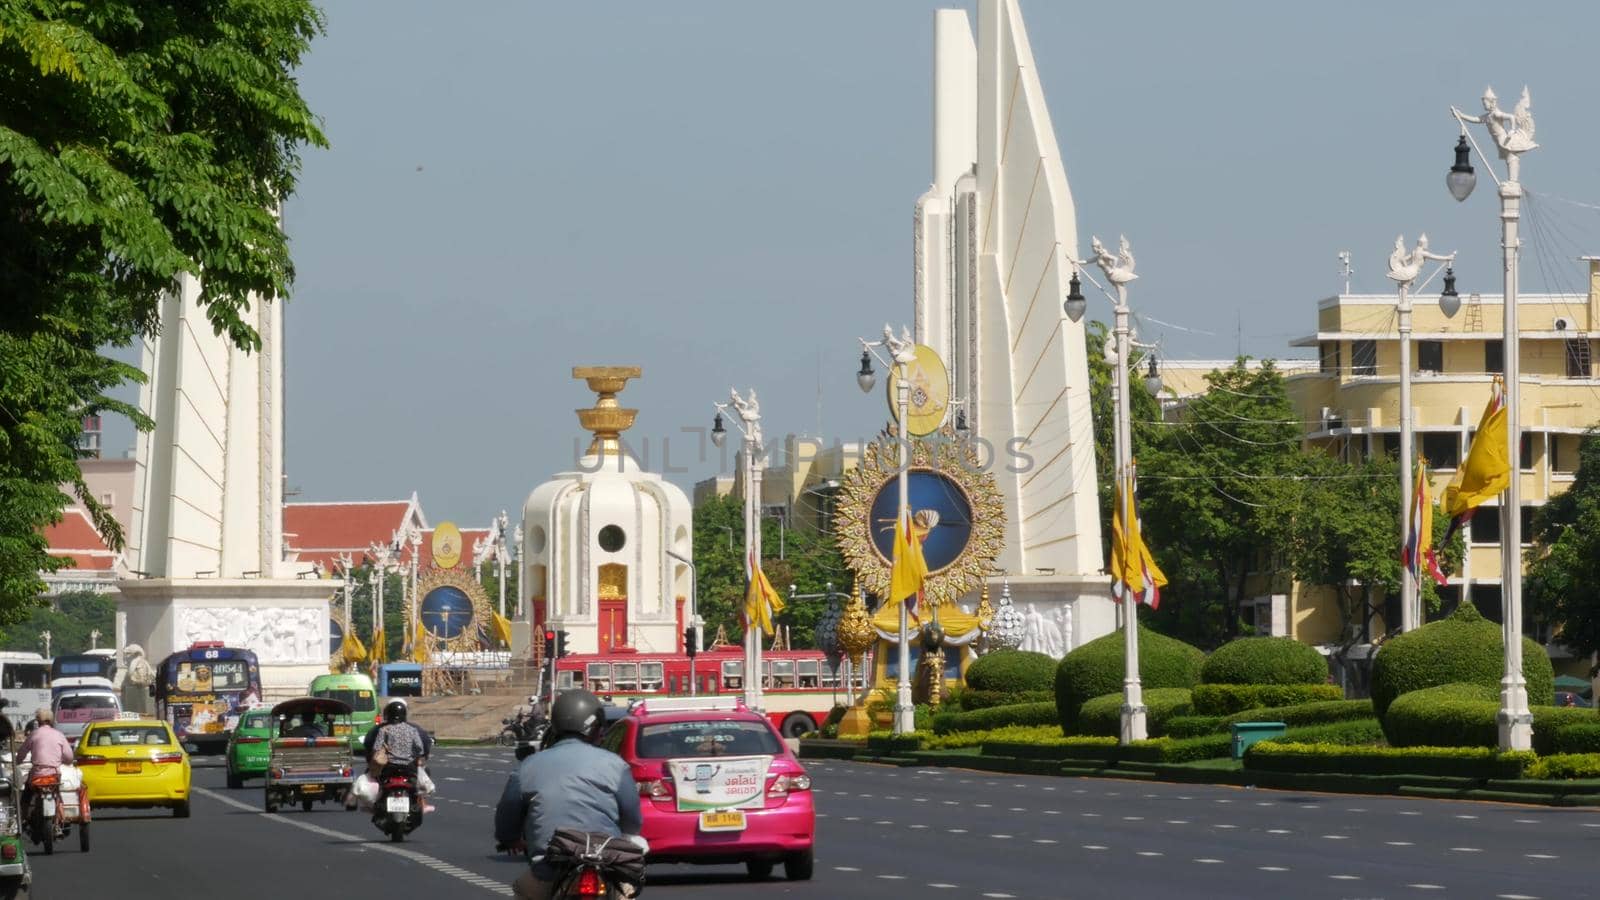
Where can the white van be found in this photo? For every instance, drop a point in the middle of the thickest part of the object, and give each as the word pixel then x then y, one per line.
pixel 77 707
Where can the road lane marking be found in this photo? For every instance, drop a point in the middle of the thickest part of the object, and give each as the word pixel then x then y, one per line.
pixel 1094 846
pixel 940 884
pixel 431 862
pixel 1399 843
pixel 1465 850
pixel 1208 860
pixel 1424 886
pixel 1345 877
pixel 1272 868
pixel 1150 853
pixel 845 869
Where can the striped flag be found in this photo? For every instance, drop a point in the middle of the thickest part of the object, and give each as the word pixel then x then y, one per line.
pixel 1416 552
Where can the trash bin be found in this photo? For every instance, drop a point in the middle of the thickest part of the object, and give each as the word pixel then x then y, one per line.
pixel 1247 733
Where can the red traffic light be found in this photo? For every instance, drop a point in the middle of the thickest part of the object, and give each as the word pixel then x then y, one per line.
pixel 549 636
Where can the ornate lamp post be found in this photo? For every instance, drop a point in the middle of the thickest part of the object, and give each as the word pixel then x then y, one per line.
pixel 1118 272
pixel 747 418
pixel 902 351
pixel 1513 136
pixel 1404 267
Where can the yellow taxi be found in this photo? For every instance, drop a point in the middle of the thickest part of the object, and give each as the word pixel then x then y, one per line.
pixel 134 762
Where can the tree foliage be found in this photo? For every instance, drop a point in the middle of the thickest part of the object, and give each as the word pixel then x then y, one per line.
pixel 69 618
pixel 1563 582
pixel 806 559
pixel 139 139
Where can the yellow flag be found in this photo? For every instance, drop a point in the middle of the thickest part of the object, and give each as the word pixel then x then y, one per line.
pixel 908 570
pixel 761 602
pixel 380 648
pixel 351 648
pixel 502 627
pixel 1487 470
pixel 419 644
pixel 1133 567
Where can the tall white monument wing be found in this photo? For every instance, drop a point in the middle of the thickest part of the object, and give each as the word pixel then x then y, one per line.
pixel 994 236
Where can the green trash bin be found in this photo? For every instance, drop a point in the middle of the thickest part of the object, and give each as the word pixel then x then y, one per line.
pixel 1247 733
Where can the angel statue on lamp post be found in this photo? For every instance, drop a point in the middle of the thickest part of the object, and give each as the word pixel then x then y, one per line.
pixel 1404 266
pixel 1118 269
pixel 1512 131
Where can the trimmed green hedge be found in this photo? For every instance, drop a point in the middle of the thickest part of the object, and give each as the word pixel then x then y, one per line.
pixel 1464 715
pixel 1265 660
pixel 1012 672
pixel 1103 715
pixel 971 698
pixel 995 717
pixel 1305 713
pixel 1566 766
pixel 1227 699
pixel 1194 726
pixel 1355 733
pixel 1581 738
pixel 1096 669
pixel 1465 647
pixel 1466 762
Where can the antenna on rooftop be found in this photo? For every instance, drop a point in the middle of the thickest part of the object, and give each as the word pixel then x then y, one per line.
pixel 1345 269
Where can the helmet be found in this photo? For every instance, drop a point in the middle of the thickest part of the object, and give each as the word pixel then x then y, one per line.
pixel 394 711
pixel 576 712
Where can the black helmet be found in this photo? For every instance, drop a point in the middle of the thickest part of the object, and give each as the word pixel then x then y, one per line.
pixel 394 711
pixel 576 712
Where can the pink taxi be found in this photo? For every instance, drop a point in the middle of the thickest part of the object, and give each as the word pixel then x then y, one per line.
pixel 717 785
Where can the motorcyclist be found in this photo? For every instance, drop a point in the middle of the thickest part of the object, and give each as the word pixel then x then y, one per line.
pixel 405 743
pixel 49 749
pixel 572 784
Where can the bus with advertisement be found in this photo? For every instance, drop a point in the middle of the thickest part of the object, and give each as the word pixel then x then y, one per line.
pixel 201 692
pixel 24 685
pixel 798 686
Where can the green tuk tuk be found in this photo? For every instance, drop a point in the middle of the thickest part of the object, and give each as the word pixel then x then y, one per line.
pixel 311 759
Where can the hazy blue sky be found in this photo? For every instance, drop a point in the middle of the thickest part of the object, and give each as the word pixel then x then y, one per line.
pixel 722 193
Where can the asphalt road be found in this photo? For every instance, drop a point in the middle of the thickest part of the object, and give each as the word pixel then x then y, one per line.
pixel 881 831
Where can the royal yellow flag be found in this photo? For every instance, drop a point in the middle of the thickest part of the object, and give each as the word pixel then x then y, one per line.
pixel 1133 567
pixel 1487 470
pixel 351 648
pixel 380 648
pixel 502 627
pixel 762 603
pixel 419 643
pixel 908 569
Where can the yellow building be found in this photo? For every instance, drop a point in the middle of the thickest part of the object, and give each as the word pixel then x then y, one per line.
pixel 798 486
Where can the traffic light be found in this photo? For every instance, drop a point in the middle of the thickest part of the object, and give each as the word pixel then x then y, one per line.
pixel 549 642
pixel 691 643
pixel 561 644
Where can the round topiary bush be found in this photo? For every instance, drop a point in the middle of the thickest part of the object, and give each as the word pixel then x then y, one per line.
pixel 1265 660
pixel 1445 715
pixel 1103 715
pixel 1465 648
pixel 1095 669
pixel 1012 672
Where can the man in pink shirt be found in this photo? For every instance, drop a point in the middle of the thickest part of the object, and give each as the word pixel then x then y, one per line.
pixel 49 749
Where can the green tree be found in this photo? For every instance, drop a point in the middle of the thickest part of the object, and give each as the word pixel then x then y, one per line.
pixel 1217 496
pixel 139 139
pixel 69 618
pixel 1563 582
pixel 805 559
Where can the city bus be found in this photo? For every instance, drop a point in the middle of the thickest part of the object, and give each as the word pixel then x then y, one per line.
pixel 400 680
pixel 80 670
pixel 798 686
pixel 24 685
pixel 201 691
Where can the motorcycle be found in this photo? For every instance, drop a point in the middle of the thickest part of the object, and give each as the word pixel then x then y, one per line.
pixel 54 803
pixel 522 729
pixel 398 811
pixel 596 865
pixel 15 876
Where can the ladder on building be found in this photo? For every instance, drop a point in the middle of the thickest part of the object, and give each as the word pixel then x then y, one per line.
pixel 1474 312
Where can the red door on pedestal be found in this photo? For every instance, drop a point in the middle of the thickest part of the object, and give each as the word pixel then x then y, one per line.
pixel 613 625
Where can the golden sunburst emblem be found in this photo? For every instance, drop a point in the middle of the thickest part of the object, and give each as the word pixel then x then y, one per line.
pixel 454 608
pixel 952 497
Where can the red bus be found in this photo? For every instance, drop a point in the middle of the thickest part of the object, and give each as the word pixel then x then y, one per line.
pixel 798 686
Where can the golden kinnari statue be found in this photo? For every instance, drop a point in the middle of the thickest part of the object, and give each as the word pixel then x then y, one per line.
pixel 605 418
pixel 856 636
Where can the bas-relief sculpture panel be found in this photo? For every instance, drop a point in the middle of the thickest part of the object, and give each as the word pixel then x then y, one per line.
pixel 277 635
pixel 1047 631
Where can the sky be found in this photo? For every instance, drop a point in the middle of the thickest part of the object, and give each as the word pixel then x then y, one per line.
pixel 722 193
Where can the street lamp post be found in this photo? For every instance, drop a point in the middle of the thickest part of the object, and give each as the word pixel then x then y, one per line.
pixel 1404 267
pixel 747 418
pixel 94 639
pixel 1513 135
pixel 1118 270
pixel 46 636
pixel 500 556
pixel 902 351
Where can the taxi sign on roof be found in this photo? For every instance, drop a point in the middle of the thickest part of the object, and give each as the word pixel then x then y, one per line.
pixel 689 704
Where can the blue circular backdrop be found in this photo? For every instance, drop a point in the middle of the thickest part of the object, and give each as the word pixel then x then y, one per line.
pixel 446 611
pixel 335 635
pixel 928 490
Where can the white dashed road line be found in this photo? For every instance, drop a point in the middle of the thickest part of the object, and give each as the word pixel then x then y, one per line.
pixel 432 862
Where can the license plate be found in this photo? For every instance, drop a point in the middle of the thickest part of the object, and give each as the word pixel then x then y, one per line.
pixel 341 729
pixel 311 788
pixel 128 768
pixel 399 804
pixel 722 820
